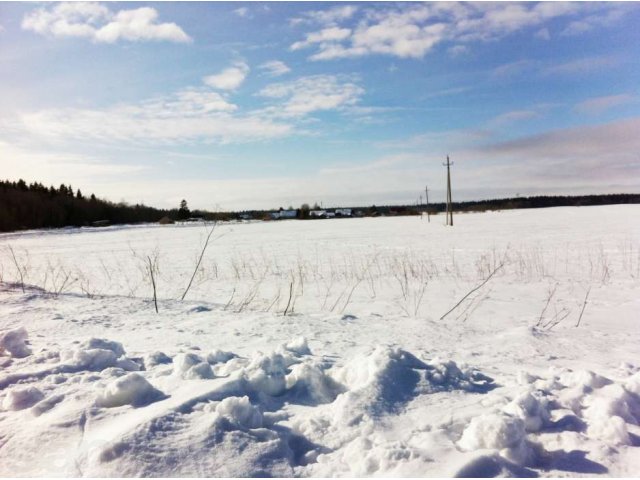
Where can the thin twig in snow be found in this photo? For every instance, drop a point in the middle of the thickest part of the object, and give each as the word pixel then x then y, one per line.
pixel 584 305
pixel 473 290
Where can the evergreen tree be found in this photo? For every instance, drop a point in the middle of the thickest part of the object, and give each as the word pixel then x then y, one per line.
pixel 183 211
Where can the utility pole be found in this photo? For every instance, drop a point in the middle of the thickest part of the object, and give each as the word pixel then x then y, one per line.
pixel 426 193
pixel 449 212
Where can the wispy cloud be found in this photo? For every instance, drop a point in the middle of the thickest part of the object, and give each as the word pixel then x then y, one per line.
pixel 512 69
pixel 616 140
pixel 508 118
pixel 583 65
pixel 241 12
pixel 230 78
pixel 189 115
pixel 274 68
pixel 329 16
pixel 311 94
pixel 96 22
pixel 606 18
pixel 47 167
pixel 597 105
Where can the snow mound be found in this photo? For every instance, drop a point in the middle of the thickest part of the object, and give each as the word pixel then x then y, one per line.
pixel 388 378
pixel 220 356
pixel 104 344
pixel 532 408
pixel 308 383
pixel 95 360
pixel 299 346
pixel 267 374
pixel 239 412
pixel 201 371
pixel 504 433
pixel 156 358
pixel 19 398
pixel 14 343
pixel 607 413
pixel 191 367
pixel 632 384
pixel 131 389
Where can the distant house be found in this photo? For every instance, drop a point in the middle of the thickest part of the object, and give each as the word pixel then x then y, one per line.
pixel 245 216
pixel 330 215
pixel 283 214
pixel 318 213
pixel 343 212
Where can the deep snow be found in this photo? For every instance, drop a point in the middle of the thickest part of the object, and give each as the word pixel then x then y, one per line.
pixel 361 378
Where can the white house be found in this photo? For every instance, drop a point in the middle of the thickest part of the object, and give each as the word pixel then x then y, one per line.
pixel 343 212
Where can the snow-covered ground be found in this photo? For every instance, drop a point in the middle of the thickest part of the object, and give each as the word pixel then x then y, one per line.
pixel 536 372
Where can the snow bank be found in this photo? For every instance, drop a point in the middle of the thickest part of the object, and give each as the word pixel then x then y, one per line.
pixel 607 413
pixel 131 389
pixel 19 398
pixel 14 343
pixel 96 359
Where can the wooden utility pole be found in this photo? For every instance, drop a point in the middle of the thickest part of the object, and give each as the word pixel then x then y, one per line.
pixel 449 212
pixel 426 193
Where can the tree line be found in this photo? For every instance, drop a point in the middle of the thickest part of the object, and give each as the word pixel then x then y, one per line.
pixel 27 206
pixel 30 206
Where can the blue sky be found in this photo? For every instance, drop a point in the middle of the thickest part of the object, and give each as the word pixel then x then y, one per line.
pixel 261 105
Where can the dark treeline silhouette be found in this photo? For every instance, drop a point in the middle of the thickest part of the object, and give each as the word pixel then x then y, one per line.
pixel 542 201
pixel 29 206
pixel 26 206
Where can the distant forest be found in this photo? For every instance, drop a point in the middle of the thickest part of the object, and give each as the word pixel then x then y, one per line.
pixel 30 206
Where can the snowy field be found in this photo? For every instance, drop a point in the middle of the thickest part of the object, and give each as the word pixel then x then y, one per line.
pixel 325 348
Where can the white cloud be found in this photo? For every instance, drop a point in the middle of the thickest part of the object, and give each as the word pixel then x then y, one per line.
pixel 310 94
pixel 96 22
pixel 191 115
pixel 330 34
pixel 241 12
pixel 230 78
pixel 330 16
pixel 413 30
pixel 275 68
pixel 600 19
pixel 597 105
